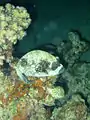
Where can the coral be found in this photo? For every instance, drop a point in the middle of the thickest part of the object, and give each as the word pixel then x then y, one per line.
pixel 6 54
pixel 29 109
pixel 5 114
pixel 13 20
pixel 75 109
pixel 23 101
pixel 4 82
pixel 11 88
pixel 52 94
pixel 2 56
pixel 72 49
pixel 78 78
pixel 23 109
pixel 45 94
pixel 18 101
pixel 16 89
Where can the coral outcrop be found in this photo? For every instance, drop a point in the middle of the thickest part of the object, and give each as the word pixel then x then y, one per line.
pixel 13 22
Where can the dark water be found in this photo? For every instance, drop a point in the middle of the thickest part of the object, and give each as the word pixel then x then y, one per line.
pixel 52 20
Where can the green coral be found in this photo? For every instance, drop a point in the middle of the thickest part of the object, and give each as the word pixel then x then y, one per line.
pixel 13 22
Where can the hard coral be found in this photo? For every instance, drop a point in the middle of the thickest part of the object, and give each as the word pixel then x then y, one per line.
pixel 75 109
pixel 13 20
pixel 18 91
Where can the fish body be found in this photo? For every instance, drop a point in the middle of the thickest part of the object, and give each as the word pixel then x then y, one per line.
pixel 38 63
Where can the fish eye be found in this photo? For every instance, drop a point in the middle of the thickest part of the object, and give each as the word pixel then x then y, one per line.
pixel 23 62
pixel 55 65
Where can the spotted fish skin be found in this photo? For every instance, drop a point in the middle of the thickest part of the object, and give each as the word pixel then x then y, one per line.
pixel 38 63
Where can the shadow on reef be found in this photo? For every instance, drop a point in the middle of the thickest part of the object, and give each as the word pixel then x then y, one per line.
pixel 6 69
pixel 63 83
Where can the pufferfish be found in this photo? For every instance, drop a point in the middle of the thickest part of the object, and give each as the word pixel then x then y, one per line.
pixel 38 64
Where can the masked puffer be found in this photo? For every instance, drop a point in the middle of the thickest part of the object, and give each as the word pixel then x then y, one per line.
pixel 38 63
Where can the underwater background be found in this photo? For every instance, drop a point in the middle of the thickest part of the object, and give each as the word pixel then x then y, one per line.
pixel 61 28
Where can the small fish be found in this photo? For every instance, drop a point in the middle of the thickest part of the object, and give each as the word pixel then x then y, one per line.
pixel 26 80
